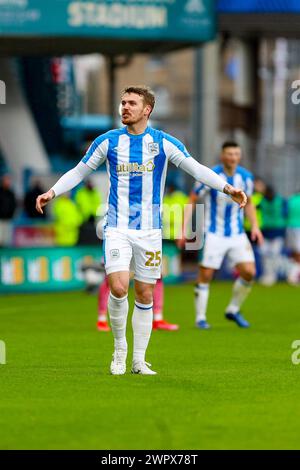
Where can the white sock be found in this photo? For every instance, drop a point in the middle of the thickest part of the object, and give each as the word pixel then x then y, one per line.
pixel 118 311
pixel 201 299
pixel 240 291
pixel 294 272
pixel 157 316
pixel 102 317
pixel 269 270
pixel 142 326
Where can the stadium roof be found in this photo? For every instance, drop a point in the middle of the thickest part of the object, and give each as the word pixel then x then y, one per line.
pixel 257 18
pixel 77 45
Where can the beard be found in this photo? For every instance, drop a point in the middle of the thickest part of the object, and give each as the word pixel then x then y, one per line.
pixel 128 120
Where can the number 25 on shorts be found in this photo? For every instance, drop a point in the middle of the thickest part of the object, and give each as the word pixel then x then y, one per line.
pixel 154 258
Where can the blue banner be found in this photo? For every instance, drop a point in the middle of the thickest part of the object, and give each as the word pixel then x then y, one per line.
pixel 258 6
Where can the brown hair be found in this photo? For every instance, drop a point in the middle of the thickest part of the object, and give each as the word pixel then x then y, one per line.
pixel 144 91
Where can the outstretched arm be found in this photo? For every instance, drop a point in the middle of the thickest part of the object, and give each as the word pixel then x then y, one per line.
pixel 210 178
pixel 94 157
pixel 67 182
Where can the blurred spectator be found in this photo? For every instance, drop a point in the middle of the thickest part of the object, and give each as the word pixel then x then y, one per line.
pixel 256 198
pixel 30 199
pixel 67 220
pixel 273 209
pixel 87 233
pixel 293 237
pixel 8 205
pixel 174 202
pixel 88 200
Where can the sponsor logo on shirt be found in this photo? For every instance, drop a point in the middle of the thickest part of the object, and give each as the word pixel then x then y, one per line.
pixel 135 167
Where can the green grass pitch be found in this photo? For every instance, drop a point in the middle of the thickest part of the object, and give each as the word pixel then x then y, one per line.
pixel 226 388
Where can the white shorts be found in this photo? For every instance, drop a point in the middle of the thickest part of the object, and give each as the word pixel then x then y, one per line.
pixel 216 247
pixel 293 239
pixel 139 251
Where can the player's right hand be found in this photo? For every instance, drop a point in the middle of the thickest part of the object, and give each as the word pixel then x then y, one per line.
pixel 43 199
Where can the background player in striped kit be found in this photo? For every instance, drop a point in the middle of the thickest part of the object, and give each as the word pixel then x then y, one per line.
pixel 136 157
pixel 224 235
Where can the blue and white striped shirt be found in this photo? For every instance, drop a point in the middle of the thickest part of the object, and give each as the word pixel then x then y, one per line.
pixel 222 215
pixel 136 166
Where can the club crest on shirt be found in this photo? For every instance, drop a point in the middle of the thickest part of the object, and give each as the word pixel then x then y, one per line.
pixel 115 253
pixel 153 148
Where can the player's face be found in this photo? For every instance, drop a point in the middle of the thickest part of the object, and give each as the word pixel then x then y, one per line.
pixel 259 186
pixel 231 157
pixel 133 109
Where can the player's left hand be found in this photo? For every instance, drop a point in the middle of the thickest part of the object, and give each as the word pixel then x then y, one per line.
pixel 257 236
pixel 237 195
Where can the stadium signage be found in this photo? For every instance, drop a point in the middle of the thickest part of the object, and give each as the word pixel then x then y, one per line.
pixel 187 20
pixel 57 269
pixel 117 15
